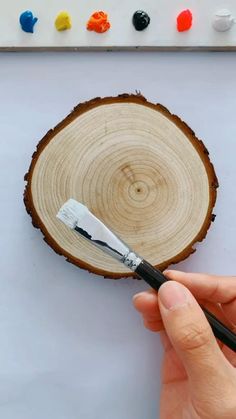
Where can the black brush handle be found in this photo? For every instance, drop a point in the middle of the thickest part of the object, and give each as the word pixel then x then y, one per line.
pixel 155 279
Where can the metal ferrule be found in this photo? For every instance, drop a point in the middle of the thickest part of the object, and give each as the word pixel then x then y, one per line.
pixel 131 260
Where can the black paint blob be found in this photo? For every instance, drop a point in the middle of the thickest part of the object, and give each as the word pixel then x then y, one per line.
pixel 140 20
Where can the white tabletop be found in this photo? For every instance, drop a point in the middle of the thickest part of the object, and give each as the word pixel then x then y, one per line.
pixel 72 346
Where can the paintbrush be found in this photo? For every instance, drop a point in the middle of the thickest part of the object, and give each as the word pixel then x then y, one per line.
pixel 78 217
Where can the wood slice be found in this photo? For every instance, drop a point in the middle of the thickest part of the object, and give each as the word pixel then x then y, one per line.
pixel 138 168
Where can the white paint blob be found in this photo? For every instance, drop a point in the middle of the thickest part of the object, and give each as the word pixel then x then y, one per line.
pixel 223 20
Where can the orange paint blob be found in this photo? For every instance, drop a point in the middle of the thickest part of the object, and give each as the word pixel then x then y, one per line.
pixel 98 22
pixel 184 20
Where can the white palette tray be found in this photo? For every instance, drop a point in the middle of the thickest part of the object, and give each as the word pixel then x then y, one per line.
pixel 160 34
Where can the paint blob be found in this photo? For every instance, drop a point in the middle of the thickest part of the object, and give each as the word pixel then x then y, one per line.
pixel 27 21
pixel 63 21
pixel 184 20
pixel 140 20
pixel 98 22
pixel 223 20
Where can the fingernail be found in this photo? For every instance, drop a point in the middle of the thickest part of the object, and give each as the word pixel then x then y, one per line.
pixel 147 295
pixel 136 296
pixel 167 273
pixel 173 295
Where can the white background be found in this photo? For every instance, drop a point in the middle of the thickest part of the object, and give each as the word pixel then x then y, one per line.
pixel 71 345
pixel 161 31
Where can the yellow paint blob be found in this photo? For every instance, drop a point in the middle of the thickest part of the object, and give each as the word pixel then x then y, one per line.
pixel 63 21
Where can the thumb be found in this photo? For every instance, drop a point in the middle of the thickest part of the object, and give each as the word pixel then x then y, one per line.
pixel 190 334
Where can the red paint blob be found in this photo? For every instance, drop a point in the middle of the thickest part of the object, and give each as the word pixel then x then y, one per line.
pixel 184 20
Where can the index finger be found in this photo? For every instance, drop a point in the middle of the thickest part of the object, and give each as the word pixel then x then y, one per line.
pixel 217 289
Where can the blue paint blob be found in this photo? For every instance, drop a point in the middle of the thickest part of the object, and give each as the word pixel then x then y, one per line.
pixel 27 21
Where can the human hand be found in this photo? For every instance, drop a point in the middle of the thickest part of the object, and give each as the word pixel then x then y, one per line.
pixel 198 374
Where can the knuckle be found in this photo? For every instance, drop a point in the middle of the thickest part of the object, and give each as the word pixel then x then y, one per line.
pixel 192 337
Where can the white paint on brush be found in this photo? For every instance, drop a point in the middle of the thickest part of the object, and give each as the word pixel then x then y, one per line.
pixel 78 217
pixel 72 212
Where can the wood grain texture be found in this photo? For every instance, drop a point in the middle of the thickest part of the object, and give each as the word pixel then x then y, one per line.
pixel 137 167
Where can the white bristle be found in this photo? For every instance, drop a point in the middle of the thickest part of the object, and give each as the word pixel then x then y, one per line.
pixel 71 212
